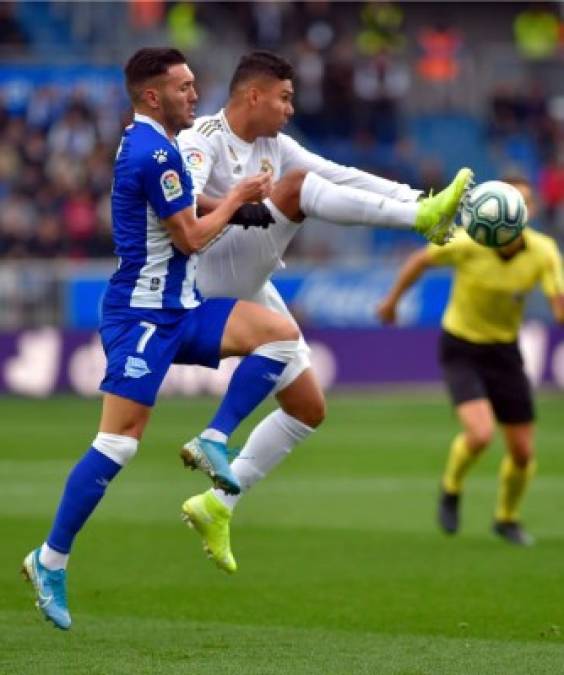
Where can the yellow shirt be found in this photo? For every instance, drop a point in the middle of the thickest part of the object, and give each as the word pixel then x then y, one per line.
pixel 488 293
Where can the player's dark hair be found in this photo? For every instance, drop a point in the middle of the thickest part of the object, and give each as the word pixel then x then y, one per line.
pixel 261 63
pixel 516 179
pixel 147 63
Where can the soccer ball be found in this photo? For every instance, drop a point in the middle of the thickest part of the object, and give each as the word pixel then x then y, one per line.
pixel 494 213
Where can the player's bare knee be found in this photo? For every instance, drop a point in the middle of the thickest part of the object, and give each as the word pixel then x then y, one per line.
pixel 522 454
pixel 279 328
pixel 292 181
pixel 479 438
pixel 287 192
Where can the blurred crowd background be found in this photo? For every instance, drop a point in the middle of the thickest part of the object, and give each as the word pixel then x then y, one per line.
pixel 406 90
pixel 410 91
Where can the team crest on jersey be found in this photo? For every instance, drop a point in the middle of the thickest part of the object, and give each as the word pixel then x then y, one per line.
pixel 266 165
pixel 160 156
pixel 171 185
pixel 195 159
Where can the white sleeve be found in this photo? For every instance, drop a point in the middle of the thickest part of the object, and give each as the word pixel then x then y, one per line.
pixel 199 157
pixel 294 156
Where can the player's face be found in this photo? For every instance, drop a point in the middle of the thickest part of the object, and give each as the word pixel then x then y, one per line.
pixel 274 106
pixel 178 98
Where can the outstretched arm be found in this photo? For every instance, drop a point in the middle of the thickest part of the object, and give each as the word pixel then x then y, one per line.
pixel 409 273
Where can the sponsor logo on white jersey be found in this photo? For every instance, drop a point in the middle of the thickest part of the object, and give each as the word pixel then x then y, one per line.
pixel 195 159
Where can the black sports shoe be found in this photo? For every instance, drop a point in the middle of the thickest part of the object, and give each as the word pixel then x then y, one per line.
pixel 448 511
pixel 513 532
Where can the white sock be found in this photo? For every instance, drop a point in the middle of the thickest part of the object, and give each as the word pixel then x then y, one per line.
pixel 214 435
pixel 270 441
pixel 53 560
pixel 345 205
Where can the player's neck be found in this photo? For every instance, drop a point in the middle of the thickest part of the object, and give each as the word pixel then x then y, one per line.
pixel 239 123
pixel 510 251
pixel 171 133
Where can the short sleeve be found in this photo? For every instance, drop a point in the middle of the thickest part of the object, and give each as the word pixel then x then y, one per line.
pixel 198 155
pixel 167 184
pixel 451 253
pixel 552 277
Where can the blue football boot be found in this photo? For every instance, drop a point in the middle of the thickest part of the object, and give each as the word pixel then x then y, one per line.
pixel 212 458
pixel 50 590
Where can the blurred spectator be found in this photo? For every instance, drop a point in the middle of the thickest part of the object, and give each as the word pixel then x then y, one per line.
pixel 439 62
pixel 318 24
pixel 146 14
pixel 185 31
pixel 536 31
pixel 552 193
pixel 79 221
pixel 381 29
pixel 356 97
pixel 12 34
pixel 378 85
pixel 48 239
pixel 338 95
pixel 266 25
pixel 74 134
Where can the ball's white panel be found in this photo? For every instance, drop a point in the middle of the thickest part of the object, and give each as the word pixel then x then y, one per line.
pixel 490 210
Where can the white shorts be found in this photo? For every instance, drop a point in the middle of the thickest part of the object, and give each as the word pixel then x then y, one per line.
pixel 240 264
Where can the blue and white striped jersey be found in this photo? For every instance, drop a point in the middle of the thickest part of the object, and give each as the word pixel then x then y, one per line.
pixel 150 183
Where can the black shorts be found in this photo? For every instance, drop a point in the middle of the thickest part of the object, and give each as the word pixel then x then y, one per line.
pixel 493 371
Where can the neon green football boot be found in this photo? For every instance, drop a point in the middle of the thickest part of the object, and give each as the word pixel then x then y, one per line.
pixel 210 518
pixel 436 213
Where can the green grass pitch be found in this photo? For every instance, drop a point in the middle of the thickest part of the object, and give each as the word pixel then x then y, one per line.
pixel 342 569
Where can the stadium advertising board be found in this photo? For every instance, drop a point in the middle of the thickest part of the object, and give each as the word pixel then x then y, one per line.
pixel 44 361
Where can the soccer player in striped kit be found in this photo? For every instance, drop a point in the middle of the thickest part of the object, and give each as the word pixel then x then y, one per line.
pixel 154 314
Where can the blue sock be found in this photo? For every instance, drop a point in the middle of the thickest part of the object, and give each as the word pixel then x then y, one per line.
pixel 251 383
pixel 85 487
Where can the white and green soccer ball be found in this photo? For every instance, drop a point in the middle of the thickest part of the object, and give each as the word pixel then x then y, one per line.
pixel 494 213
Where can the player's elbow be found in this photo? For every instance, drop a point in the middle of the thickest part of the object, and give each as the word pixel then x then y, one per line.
pixel 185 245
pixel 194 243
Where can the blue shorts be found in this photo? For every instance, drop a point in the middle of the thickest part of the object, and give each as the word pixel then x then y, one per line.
pixel 141 344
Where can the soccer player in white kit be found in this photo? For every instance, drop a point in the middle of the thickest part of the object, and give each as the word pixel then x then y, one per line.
pixel 239 141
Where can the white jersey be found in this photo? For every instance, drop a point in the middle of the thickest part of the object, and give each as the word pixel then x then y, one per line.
pixel 218 159
pixel 240 263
